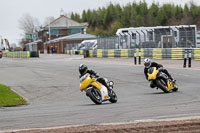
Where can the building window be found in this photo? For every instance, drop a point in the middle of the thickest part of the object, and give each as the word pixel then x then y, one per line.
pixel 29 36
pixel 55 32
pixel 74 31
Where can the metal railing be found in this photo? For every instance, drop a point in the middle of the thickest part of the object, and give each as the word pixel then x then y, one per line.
pixel 184 38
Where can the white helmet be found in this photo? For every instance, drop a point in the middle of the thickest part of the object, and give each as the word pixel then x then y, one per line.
pixel 147 62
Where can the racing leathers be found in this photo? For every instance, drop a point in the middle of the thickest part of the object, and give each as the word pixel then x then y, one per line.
pixel 161 69
pixel 101 80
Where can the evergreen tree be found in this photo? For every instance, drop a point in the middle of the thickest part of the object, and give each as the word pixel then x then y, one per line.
pixel 106 20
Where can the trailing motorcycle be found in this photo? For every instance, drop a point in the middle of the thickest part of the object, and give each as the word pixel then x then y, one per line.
pixel 161 80
pixel 97 92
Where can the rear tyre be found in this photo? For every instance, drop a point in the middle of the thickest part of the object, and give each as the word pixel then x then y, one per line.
pixel 162 85
pixel 95 95
pixel 113 97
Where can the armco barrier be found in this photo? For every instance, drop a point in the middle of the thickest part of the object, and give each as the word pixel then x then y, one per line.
pixel 197 54
pixel 99 53
pixel 155 53
pixel 91 53
pixel 18 54
pixel 111 53
pixel 177 53
pixel 124 53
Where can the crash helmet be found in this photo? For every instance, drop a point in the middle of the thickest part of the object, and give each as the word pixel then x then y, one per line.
pixel 147 62
pixel 82 69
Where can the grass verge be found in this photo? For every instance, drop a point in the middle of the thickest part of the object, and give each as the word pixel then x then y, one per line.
pixel 10 98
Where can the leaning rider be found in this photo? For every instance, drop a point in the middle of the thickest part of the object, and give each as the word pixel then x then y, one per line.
pixel 148 64
pixel 83 69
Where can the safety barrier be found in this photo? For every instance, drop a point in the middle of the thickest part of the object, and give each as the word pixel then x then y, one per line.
pixel 197 54
pixel 177 53
pixel 155 53
pixel 21 54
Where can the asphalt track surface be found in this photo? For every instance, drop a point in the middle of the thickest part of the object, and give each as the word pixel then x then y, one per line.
pixel 50 84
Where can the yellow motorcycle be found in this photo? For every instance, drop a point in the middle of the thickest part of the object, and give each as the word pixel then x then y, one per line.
pixel 97 92
pixel 161 80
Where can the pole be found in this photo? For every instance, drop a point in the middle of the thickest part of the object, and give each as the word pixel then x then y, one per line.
pixel 1 43
pixel 189 60
pixel 139 56
pixel 49 31
pixel 185 59
pixel 135 59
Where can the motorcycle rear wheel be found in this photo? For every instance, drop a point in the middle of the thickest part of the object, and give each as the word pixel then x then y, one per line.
pixel 95 95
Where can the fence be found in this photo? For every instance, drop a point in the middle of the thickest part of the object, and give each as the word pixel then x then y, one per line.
pixel 154 37
pixel 155 53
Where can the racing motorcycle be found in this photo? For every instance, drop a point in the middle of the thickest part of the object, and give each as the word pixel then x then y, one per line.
pixel 96 91
pixel 161 80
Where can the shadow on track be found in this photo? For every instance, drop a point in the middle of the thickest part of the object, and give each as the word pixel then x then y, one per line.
pixel 92 104
pixel 156 93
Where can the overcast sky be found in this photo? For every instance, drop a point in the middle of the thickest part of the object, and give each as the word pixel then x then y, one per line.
pixel 12 10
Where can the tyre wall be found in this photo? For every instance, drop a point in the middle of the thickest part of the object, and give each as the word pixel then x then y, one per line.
pixel 155 53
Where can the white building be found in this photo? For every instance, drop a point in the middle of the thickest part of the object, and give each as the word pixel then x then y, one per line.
pixel 159 36
pixel 198 39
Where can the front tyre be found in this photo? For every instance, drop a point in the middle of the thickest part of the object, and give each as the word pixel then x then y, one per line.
pixel 113 97
pixel 162 85
pixel 95 95
pixel 175 89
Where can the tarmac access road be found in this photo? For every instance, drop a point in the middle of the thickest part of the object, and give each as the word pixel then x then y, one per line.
pixel 50 84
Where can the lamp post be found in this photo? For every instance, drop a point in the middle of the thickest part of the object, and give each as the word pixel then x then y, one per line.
pixel 49 31
pixel 1 46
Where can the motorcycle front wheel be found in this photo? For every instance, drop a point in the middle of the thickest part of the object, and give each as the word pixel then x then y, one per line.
pixel 113 97
pixel 95 95
pixel 175 89
pixel 162 85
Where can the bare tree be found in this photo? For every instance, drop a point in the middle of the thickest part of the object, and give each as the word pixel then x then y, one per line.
pixel 28 24
pixel 47 20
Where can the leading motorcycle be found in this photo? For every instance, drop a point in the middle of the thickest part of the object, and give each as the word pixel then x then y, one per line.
pixel 96 91
pixel 161 80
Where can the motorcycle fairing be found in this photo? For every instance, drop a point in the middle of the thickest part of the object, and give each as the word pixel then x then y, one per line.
pixel 171 85
pixel 85 83
pixel 152 76
pixel 102 88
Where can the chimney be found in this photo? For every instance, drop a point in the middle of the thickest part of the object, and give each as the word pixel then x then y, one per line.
pixel 61 12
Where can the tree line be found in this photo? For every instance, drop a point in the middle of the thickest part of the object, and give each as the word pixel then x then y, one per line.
pixel 106 20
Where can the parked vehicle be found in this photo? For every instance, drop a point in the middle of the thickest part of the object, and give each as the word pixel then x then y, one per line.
pixel 88 45
pixel 1 54
pixel 97 92
pixel 161 80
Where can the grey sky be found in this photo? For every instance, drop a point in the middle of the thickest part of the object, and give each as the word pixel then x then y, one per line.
pixel 12 10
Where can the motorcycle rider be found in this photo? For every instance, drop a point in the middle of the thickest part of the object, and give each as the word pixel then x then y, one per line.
pixel 148 64
pixel 83 69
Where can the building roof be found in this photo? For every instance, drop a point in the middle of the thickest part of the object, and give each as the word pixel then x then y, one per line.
pixel 35 42
pixel 126 31
pixel 63 22
pixel 78 36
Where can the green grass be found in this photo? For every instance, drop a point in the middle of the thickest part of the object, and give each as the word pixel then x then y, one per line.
pixel 10 98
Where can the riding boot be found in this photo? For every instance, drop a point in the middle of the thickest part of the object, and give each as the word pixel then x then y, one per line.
pixel 170 77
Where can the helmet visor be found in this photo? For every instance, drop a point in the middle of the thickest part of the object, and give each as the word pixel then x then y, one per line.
pixel 147 64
